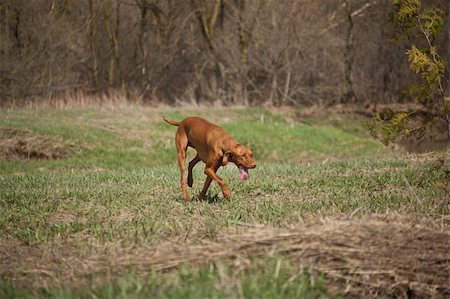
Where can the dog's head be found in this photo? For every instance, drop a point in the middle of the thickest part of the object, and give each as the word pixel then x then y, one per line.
pixel 242 156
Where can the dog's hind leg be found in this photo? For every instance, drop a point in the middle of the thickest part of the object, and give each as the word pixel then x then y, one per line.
pixel 191 165
pixel 181 142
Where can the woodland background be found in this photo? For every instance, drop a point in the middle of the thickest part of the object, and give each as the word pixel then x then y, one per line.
pixel 220 52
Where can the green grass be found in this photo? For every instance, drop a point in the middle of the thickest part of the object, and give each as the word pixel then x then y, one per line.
pixel 265 278
pixel 121 204
pixel 109 139
pixel 121 183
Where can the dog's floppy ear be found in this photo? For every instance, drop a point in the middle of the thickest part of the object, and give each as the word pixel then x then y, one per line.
pixel 225 158
pixel 227 155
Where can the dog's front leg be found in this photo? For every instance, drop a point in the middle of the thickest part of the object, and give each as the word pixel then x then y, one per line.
pixel 205 188
pixel 212 175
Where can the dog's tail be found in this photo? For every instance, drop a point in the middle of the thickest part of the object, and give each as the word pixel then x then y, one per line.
pixel 173 123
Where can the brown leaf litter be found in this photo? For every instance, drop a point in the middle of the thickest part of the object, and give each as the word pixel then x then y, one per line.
pixel 376 255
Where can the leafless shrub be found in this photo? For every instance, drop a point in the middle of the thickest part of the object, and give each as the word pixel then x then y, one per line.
pixel 246 52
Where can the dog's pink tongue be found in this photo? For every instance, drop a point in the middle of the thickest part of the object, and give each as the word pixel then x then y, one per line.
pixel 244 173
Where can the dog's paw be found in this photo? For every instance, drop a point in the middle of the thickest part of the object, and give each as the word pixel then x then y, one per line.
pixel 186 196
pixel 226 193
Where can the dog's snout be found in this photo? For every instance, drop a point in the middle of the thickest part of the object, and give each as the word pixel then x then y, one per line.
pixel 253 165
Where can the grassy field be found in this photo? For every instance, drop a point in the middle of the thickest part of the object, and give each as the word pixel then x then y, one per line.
pixel 107 219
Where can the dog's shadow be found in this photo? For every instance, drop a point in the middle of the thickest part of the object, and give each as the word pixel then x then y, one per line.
pixel 213 198
pixel 209 199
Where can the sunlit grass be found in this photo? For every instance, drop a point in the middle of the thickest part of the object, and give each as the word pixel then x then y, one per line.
pixel 135 138
pixel 121 183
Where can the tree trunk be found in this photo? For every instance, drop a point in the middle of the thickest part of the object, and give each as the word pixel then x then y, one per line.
pixel 93 42
pixel 114 63
pixel 243 53
pixel 349 92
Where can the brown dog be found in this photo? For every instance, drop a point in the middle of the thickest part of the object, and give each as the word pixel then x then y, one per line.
pixel 214 147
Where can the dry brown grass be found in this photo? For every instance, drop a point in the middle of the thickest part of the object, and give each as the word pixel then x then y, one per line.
pixel 377 255
pixel 16 144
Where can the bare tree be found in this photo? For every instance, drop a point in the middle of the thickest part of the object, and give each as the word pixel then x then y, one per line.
pixel 246 52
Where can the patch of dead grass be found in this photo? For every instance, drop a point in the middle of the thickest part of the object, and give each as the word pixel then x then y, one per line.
pixel 16 144
pixel 375 255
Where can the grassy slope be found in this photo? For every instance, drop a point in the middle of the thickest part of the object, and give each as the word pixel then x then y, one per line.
pixel 121 183
pixel 130 138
